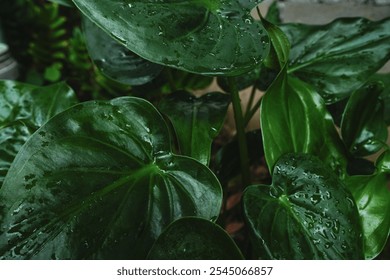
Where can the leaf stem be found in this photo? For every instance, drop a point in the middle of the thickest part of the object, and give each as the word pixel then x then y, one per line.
pixel 240 127
pixel 250 114
pixel 250 102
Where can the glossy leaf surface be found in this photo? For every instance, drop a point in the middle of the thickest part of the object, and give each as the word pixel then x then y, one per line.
pixel 116 61
pixel 294 119
pixel 363 127
pixel 306 213
pixel 205 37
pixel 196 121
pixel 194 239
pixel 373 200
pixel 99 181
pixel 23 109
pixel 339 57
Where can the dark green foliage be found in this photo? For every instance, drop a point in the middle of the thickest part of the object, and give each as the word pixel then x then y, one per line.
pixel 112 178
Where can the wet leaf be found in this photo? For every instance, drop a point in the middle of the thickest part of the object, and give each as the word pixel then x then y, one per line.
pixel 197 121
pixel 306 213
pixel 23 109
pixel 339 57
pixel 363 127
pixel 99 181
pixel 116 61
pixel 194 239
pixel 205 37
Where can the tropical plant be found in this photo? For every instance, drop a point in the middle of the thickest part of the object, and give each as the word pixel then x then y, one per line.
pixel 145 176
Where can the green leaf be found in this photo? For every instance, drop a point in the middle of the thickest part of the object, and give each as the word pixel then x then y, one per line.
pixel 383 162
pixel 23 109
pixel 116 61
pixel 194 239
pixel 182 80
pixel 339 57
pixel 67 3
pixel 385 96
pixel 202 36
pixel 280 49
pixel 373 200
pixel 273 13
pixel 197 121
pixel 99 181
pixel 294 119
pixel 363 128
pixel 243 81
pixel 306 213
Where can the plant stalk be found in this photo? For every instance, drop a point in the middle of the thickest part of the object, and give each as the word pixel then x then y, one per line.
pixel 240 127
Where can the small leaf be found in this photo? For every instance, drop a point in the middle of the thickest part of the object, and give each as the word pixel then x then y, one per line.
pixel 294 119
pixel 373 201
pixel 280 46
pixel 197 121
pixel 383 162
pixel 23 109
pixel 273 13
pixel 194 239
pixel 116 61
pixel 99 181
pixel 67 3
pixel 372 196
pixel 385 96
pixel 339 57
pixel 306 213
pixel 205 37
pixel 363 128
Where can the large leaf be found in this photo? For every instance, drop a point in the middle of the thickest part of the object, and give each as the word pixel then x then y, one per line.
pixel 194 239
pixel 23 109
pixel 116 61
pixel 294 119
pixel 373 200
pixel 99 181
pixel 339 57
pixel 306 213
pixel 206 37
pixel 363 127
pixel 197 121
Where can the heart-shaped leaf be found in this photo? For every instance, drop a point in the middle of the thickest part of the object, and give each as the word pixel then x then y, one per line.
pixel 205 37
pixel 339 57
pixel 363 127
pixel 98 181
pixel 306 213
pixel 294 119
pixel 194 239
pixel 116 61
pixel 23 109
pixel 197 121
